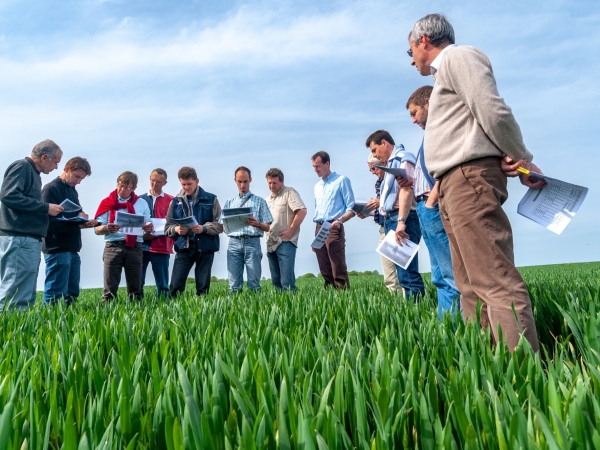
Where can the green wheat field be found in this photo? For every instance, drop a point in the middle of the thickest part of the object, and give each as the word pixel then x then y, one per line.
pixel 312 370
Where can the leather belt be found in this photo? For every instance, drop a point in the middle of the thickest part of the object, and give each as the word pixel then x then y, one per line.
pixel 244 236
pixel 421 198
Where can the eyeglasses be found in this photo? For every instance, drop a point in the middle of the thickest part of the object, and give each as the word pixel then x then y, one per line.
pixel 409 51
pixel 372 169
pixel 127 188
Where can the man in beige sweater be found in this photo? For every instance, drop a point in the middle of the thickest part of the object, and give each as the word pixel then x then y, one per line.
pixel 472 142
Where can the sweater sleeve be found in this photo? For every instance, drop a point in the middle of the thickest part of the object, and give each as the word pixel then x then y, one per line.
pixel 170 225
pixel 13 191
pixel 470 74
pixel 214 227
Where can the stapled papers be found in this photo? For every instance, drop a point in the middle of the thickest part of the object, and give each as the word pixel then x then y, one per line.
pixel 400 255
pixel 555 205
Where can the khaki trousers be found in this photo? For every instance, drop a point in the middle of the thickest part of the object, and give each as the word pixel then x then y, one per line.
pixel 481 244
pixel 390 275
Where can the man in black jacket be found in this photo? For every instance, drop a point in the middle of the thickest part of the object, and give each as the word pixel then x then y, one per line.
pixel 23 224
pixel 62 244
pixel 195 244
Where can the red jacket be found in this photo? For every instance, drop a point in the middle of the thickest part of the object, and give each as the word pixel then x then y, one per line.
pixel 162 244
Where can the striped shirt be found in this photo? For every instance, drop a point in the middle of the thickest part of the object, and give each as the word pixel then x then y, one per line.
pixel 260 211
pixel 421 185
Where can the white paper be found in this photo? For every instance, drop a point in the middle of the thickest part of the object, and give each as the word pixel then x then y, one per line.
pixel 395 171
pixel 235 223
pixel 159 226
pixel 321 236
pixel 360 207
pixel 554 206
pixel 69 206
pixel 186 222
pixel 130 223
pixel 401 255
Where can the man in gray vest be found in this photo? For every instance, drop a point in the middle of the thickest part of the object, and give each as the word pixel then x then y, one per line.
pixel 23 224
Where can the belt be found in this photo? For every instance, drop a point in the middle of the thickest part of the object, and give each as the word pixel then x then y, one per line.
pixel 116 242
pixel 321 222
pixel 421 198
pixel 244 236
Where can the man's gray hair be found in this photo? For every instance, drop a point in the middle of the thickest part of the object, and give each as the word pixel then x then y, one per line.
pixel 372 159
pixel 436 27
pixel 46 147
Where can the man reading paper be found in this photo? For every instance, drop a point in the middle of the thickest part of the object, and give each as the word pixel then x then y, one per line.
pixel 122 251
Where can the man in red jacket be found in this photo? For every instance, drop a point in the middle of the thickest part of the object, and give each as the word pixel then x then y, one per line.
pixel 157 247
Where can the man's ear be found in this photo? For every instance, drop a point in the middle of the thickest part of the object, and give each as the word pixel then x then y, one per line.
pixel 426 104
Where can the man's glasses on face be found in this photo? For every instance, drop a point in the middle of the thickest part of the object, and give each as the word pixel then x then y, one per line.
pixel 409 51
pixel 127 188
pixel 372 169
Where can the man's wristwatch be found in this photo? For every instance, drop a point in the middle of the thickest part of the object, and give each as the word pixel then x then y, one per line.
pixel 402 219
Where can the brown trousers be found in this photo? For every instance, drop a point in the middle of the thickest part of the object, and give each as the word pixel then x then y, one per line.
pixel 481 244
pixel 117 257
pixel 332 259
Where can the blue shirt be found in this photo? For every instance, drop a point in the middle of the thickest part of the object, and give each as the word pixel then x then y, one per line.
pixel 260 211
pixel 389 188
pixel 141 207
pixel 333 197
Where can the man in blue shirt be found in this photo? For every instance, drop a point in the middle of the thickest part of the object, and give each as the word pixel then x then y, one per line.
pixel 244 244
pixel 334 201
pixel 425 189
pixel 398 206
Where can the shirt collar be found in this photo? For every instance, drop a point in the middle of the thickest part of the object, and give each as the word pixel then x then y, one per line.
pixel 245 195
pixel 328 177
pixel 435 64
pixel 122 200
pixel 162 194
pixel 280 191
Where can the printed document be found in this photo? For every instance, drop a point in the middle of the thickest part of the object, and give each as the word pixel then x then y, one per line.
pixel 185 222
pixel 321 236
pixel 130 223
pixel 555 205
pixel 395 171
pixel 235 219
pixel 400 255
pixel 360 207
pixel 69 206
pixel 159 226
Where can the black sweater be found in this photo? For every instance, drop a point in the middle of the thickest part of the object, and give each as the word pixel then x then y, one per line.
pixel 22 211
pixel 62 236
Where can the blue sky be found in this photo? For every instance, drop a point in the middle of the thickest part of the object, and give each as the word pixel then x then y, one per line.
pixel 134 85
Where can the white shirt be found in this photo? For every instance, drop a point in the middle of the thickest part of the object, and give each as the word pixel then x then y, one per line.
pixel 435 64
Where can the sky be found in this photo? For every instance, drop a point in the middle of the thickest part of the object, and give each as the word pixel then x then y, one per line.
pixel 136 85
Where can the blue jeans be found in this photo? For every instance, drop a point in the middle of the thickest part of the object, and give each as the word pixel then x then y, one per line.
pixel 160 269
pixel 442 276
pixel 19 265
pixel 281 263
pixel 63 271
pixel 410 279
pixel 244 252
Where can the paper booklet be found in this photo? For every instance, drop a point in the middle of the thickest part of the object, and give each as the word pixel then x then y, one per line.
pixel 360 207
pixel 321 236
pixel 69 206
pixel 395 171
pixel 553 206
pixel 400 255
pixel 235 219
pixel 185 222
pixel 130 223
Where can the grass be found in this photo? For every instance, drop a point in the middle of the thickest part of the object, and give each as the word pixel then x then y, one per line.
pixel 319 369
